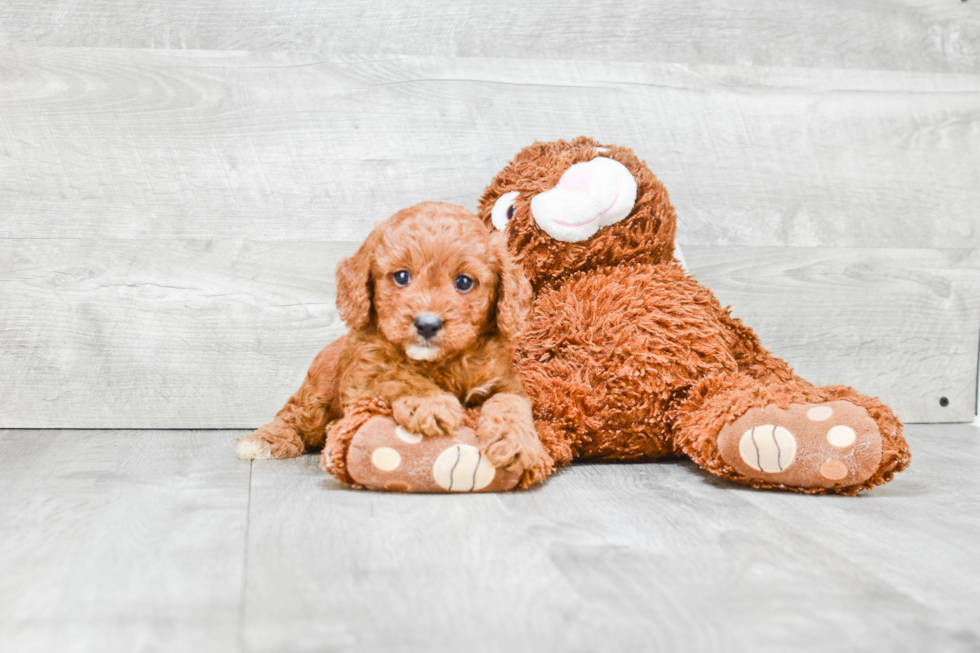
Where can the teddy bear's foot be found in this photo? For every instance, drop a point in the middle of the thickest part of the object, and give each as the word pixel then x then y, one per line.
pixel 385 456
pixel 831 445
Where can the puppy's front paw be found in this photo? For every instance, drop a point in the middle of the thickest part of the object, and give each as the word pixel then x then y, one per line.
pixel 433 415
pixel 507 434
pixel 270 441
pixel 515 448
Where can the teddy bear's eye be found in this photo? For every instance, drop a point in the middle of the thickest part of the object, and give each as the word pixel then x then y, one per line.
pixel 503 210
pixel 463 283
pixel 401 278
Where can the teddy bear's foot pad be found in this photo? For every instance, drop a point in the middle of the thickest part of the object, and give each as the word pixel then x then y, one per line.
pixel 826 445
pixel 384 456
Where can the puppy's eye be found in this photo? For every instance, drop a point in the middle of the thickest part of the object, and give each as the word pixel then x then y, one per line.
pixel 401 278
pixel 463 283
pixel 503 210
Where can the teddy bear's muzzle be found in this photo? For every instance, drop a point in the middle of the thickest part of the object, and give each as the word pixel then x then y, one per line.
pixel 589 196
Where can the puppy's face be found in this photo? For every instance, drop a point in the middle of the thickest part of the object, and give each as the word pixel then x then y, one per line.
pixel 433 286
pixel 434 280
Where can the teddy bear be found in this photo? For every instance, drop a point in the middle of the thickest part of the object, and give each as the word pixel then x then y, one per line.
pixel 628 358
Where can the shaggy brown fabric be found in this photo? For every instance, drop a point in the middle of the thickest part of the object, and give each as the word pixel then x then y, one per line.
pixel 647 236
pixel 627 357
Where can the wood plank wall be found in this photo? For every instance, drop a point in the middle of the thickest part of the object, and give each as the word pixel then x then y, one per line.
pixel 178 180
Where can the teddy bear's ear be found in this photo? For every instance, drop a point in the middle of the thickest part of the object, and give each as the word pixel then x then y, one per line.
pixel 354 286
pixel 513 292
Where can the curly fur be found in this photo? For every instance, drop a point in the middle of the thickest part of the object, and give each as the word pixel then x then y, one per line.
pixel 468 362
pixel 627 357
pixel 646 236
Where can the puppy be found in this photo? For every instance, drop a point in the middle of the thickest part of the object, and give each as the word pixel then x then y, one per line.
pixel 434 305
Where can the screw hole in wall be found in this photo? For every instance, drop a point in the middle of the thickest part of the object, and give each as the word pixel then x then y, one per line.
pixel 943 401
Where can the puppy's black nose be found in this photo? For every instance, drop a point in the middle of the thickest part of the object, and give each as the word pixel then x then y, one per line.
pixel 427 325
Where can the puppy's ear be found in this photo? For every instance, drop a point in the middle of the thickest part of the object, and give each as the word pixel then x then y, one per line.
pixel 354 289
pixel 513 292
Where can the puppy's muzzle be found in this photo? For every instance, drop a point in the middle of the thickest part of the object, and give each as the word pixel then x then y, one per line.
pixel 427 325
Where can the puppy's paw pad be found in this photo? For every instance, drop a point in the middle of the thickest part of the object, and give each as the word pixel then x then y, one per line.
pixel 832 444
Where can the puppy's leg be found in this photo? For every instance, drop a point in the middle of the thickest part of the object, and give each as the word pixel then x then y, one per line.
pixel 433 415
pixel 506 432
pixel 277 439
pixel 301 424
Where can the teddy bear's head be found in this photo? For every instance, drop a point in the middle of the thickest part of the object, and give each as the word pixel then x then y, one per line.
pixel 568 206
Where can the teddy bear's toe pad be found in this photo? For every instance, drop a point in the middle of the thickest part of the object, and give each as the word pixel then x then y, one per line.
pixel 383 456
pixel 826 445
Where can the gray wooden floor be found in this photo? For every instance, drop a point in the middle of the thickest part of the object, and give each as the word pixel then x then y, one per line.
pixel 163 540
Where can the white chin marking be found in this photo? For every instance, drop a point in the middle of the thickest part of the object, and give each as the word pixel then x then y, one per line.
pixel 590 195
pixel 417 353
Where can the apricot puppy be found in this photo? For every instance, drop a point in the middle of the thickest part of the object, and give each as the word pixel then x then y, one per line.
pixel 434 305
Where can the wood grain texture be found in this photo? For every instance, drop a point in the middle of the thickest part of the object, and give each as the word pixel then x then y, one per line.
pixel 121 541
pixel 918 35
pixel 915 532
pixel 620 558
pixel 903 325
pixel 218 334
pixel 167 144
pixel 160 334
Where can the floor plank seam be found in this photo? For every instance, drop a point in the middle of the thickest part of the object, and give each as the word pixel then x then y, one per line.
pixel 976 402
pixel 248 523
